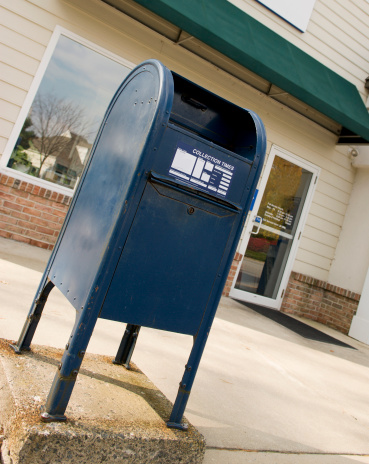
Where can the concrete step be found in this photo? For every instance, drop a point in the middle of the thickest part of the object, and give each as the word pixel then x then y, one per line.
pixel 115 415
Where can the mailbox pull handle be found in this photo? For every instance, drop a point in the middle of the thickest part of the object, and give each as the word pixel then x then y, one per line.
pixel 182 187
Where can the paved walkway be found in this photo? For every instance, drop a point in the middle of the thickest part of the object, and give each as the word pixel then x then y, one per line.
pixel 263 393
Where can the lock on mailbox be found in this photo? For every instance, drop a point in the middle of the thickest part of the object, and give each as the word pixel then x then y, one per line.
pixel 154 223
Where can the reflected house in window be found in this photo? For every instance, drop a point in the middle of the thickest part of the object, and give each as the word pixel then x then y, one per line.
pixel 56 158
pixel 65 168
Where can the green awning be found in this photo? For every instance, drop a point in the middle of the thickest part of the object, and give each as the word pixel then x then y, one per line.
pixel 240 37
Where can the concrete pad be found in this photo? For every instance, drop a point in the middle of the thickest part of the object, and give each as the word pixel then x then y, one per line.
pixel 114 415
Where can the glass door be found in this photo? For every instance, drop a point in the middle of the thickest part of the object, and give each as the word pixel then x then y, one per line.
pixel 270 240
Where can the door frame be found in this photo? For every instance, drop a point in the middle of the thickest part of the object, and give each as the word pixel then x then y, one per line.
pixel 315 170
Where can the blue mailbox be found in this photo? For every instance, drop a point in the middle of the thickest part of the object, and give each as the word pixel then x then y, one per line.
pixel 154 223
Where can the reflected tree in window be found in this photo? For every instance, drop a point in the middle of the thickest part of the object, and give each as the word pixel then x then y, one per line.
pixel 60 131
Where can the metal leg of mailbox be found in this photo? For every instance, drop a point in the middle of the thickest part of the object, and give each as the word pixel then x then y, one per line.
pixel 32 320
pixel 127 345
pixel 186 383
pixel 66 375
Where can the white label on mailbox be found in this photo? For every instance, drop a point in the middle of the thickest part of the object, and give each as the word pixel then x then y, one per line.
pixel 183 161
pixel 201 169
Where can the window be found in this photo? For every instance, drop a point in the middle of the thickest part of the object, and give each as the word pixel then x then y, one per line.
pixel 65 112
pixel 296 12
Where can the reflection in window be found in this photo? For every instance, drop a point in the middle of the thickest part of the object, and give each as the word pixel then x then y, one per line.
pixel 58 133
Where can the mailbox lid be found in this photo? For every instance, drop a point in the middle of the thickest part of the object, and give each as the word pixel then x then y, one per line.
pixel 213 118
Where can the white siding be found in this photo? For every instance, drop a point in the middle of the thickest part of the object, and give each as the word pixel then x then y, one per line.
pixel 29 25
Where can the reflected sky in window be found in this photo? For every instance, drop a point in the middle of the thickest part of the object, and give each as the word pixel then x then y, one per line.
pixel 82 75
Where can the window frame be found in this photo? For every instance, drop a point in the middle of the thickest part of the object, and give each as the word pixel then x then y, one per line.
pixel 57 33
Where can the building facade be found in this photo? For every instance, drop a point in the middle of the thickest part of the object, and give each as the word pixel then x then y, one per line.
pixel 302 69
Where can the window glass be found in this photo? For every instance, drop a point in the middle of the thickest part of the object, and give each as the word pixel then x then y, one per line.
pixel 58 133
pixel 296 12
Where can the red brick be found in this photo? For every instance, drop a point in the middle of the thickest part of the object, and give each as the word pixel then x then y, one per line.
pixel 21 238
pixel 32 211
pixel 39 244
pixel 5 211
pixel 8 220
pixel 13 206
pixel 43 222
pixel 34 235
pixel 18 215
pixel 45 230
pixel 43 201
pixel 7 196
pixel 337 306
pixel 27 225
pixel 22 186
pixel 61 219
pixel 5 234
pixel 5 188
pixel 12 228
pixel 42 208
pixel 60 212
pixel 21 194
pixel 49 217
pixel 25 202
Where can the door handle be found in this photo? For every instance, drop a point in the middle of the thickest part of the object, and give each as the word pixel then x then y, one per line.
pixel 257 222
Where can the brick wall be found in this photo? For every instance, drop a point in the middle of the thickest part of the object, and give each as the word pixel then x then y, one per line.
pixel 29 213
pixel 313 299
pixel 320 301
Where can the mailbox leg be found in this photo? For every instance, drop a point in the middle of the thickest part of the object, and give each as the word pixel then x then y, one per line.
pixel 187 382
pixel 127 345
pixel 66 375
pixel 32 320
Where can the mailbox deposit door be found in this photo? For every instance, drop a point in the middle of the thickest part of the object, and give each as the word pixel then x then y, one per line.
pixel 170 260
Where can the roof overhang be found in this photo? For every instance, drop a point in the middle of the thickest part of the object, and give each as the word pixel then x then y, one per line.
pixel 293 76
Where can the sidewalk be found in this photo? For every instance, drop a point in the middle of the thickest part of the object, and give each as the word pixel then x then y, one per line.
pixel 263 394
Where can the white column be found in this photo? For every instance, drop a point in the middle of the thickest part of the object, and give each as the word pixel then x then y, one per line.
pixel 358 204
pixel 351 261
pixel 360 323
pixel 350 267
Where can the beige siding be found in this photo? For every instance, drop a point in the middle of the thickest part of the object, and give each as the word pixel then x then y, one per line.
pixel 19 79
pixel 326 237
pixel 317 247
pixel 30 25
pixel 307 269
pixel 20 43
pixel 12 94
